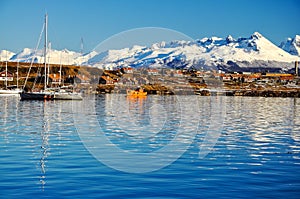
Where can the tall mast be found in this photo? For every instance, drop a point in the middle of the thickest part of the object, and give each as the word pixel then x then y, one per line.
pixel 18 74
pixel 48 62
pixel 6 72
pixel 45 51
pixel 81 46
pixel 60 68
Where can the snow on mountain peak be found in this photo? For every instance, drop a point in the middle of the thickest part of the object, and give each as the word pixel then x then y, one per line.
pixel 253 51
pixel 256 35
pixel 229 39
pixel 297 40
pixel 291 46
pixel 27 51
pixel 6 55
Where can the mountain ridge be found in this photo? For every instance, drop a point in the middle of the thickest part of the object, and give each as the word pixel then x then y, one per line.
pixel 227 53
pixel 291 45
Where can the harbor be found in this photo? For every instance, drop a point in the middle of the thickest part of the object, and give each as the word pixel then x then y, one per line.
pixel 162 82
pixel 149 99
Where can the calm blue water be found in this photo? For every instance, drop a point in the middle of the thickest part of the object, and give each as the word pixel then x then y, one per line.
pixel 257 153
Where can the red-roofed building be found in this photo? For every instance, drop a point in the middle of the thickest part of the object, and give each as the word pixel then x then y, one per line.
pixel 127 70
pixel 3 76
pixel 54 78
pixel 152 71
pixel 178 73
pixel 82 79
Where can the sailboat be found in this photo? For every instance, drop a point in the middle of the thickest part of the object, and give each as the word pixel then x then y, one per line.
pixel 49 93
pixel 13 89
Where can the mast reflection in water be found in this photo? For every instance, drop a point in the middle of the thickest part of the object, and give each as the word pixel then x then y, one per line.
pixel 256 156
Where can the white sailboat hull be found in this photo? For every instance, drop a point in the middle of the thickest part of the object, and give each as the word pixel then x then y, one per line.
pixel 10 92
pixel 50 96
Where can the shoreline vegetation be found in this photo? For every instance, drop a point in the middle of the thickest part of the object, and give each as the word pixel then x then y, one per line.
pixel 157 81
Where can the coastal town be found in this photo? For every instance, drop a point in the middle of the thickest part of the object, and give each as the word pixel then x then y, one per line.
pixel 162 81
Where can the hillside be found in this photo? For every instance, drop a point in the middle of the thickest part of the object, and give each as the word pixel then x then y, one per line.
pixel 69 72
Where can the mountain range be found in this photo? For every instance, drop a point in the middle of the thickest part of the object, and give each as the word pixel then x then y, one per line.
pixel 243 54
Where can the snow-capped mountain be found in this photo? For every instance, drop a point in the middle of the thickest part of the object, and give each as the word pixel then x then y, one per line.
pixel 208 53
pixel 227 54
pixel 6 55
pixel 291 45
pixel 53 56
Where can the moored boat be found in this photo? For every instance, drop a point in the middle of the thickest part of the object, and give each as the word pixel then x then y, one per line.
pixel 10 90
pixel 49 93
pixel 136 93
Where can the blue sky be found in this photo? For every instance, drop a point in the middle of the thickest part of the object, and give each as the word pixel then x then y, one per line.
pixel 96 20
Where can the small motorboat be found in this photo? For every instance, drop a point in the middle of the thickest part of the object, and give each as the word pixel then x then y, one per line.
pixel 139 92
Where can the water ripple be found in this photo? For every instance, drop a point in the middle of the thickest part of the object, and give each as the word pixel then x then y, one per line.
pixel 256 156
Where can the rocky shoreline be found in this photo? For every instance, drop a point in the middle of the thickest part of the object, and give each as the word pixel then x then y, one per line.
pixel 88 79
pixel 163 90
pixel 266 93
